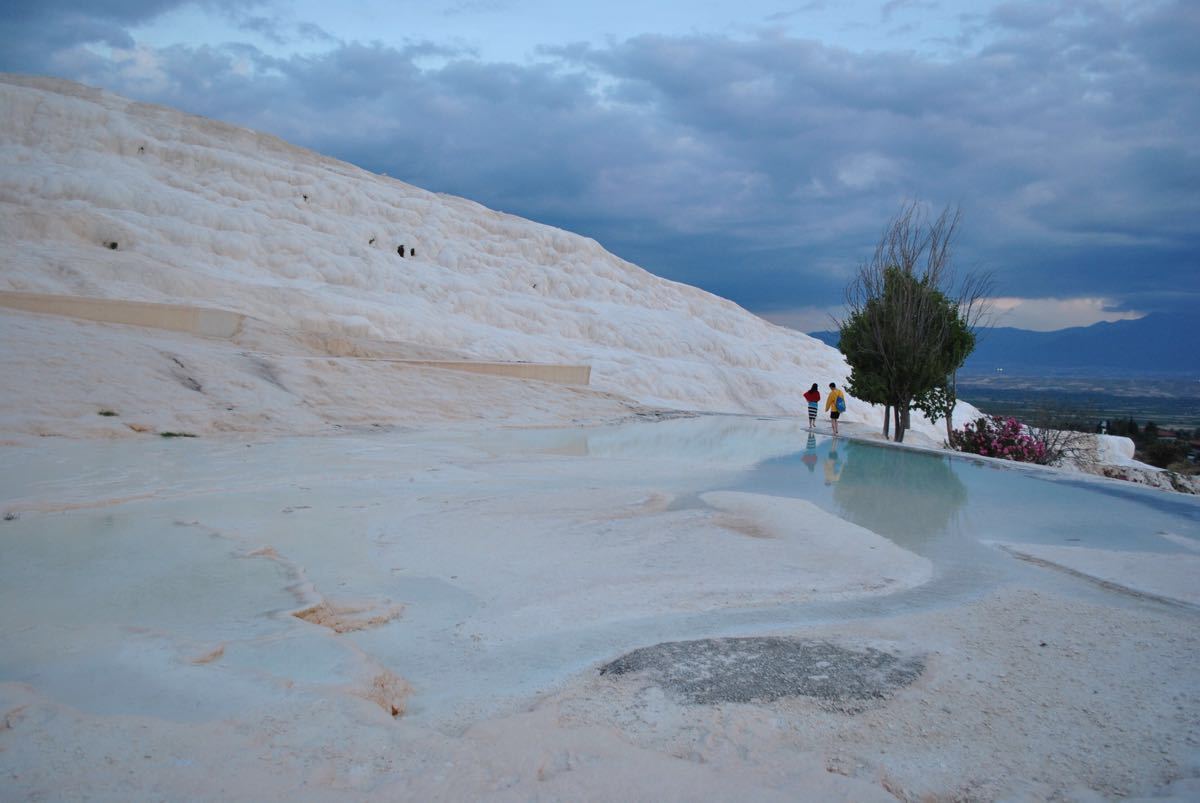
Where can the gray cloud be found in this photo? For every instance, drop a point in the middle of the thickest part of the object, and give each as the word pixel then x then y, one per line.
pixel 1026 16
pixel 124 11
pixel 890 8
pixel 797 11
pixel 46 36
pixel 116 12
pixel 477 7
pixel 763 169
pixel 269 28
pixel 314 33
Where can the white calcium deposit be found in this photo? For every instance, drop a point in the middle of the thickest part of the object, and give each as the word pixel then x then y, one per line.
pixel 103 197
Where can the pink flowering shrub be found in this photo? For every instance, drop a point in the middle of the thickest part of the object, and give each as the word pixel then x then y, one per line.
pixel 1007 438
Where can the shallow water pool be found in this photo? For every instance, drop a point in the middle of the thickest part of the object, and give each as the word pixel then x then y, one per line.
pixel 160 577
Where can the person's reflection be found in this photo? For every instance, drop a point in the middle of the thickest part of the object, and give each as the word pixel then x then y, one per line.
pixel 833 466
pixel 810 453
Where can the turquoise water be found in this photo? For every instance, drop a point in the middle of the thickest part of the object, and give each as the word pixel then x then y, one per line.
pixel 122 562
pixel 918 499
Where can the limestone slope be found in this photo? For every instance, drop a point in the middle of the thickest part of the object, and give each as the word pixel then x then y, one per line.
pixel 106 197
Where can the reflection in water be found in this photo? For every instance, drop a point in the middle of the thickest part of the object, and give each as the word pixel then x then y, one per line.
pixel 810 454
pixel 908 497
pixel 919 501
pixel 833 466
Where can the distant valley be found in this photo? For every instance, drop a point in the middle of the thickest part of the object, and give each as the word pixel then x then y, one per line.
pixel 1169 403
pixel 1161 344
pixel 1148 369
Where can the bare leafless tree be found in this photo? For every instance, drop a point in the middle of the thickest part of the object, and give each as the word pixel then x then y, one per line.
pixel 1060 430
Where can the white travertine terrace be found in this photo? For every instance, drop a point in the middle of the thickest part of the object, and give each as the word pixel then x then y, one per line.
pixel 106 198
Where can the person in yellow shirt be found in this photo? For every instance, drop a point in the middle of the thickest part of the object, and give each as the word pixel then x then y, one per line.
pixel 835 403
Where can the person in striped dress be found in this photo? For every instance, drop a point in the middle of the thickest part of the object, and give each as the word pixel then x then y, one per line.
pixel 812 396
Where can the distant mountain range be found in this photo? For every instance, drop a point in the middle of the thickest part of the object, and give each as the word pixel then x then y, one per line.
pixel 1158 344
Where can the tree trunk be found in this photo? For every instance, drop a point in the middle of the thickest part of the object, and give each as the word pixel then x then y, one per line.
pixel 951 402
pixel 899 424
pixel 887 420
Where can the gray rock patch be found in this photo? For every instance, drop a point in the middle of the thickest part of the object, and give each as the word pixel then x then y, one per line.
pixel 743 670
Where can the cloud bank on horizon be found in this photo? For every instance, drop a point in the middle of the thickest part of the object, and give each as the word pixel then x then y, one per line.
pixel 752 150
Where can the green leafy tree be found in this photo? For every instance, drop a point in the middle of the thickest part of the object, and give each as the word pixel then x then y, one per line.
pixel 905 336
pixel 868 370
pixel 939 401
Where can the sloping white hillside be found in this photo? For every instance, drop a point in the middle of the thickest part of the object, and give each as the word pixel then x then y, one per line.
pixel 104 197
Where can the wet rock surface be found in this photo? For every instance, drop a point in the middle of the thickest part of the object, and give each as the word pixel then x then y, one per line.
pixel 743 670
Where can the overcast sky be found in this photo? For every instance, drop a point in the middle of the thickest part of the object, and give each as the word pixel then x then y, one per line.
pixel 753 148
